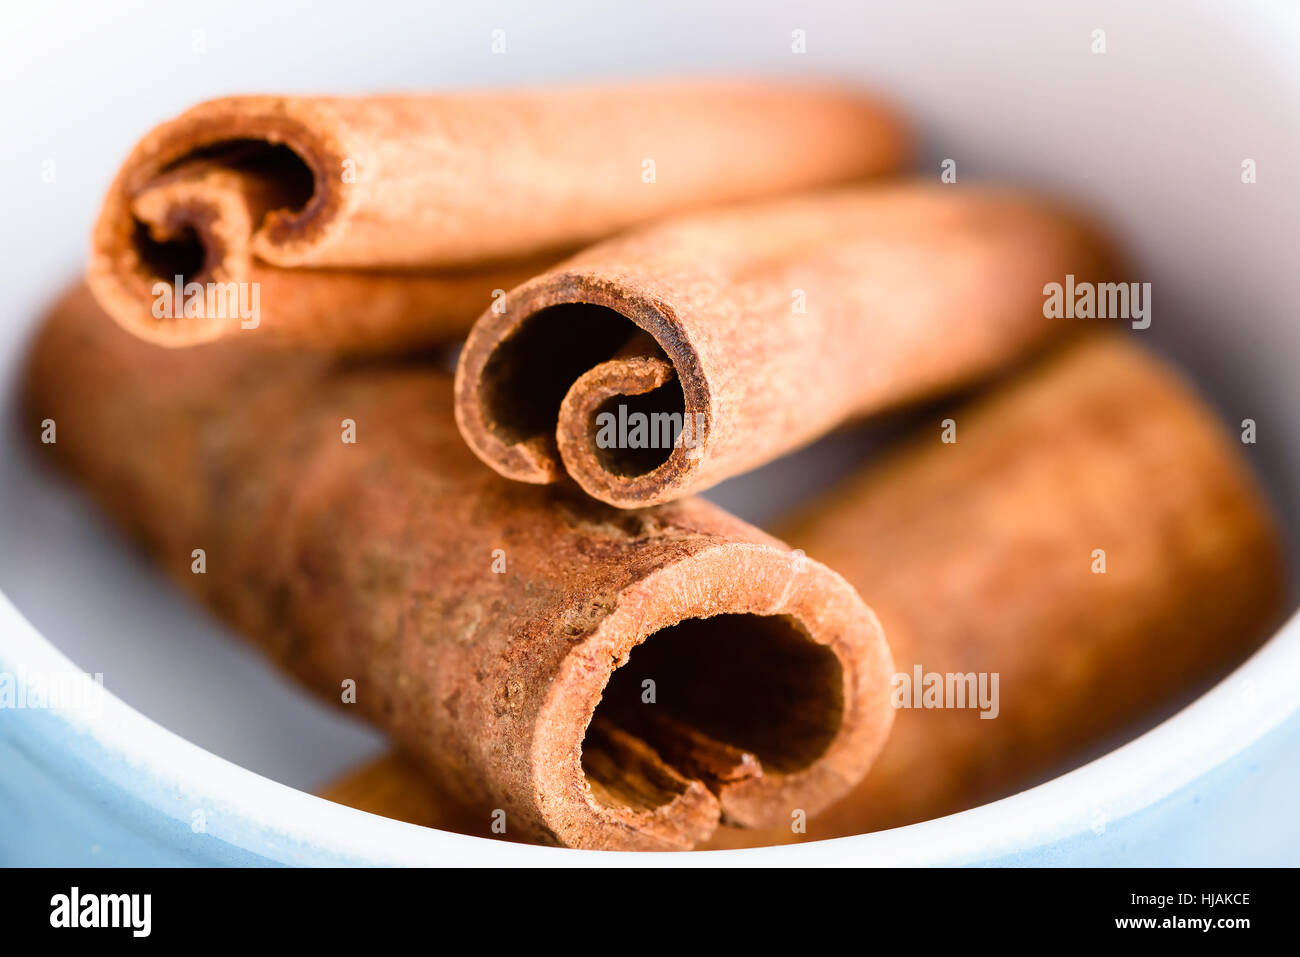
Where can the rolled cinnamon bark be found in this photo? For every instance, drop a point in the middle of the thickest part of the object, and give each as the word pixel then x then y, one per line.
pixel 981 559
pixel 371 194
pixel 485 625
pixel 751 331
pixel 1093 537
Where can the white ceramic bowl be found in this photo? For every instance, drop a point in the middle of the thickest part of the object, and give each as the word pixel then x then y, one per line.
pixel 1152 133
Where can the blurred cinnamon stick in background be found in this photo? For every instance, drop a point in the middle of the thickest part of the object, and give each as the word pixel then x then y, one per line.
pixel 760 328
pixel 1092 538
pixel 373 223
pixel 345 528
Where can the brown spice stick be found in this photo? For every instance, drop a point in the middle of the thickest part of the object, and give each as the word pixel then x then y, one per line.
pixel 978 557
pixel 482 621
pixel 909 289
pixel 344 207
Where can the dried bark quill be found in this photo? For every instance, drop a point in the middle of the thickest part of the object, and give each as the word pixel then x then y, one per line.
pixel 374 223
pixel 760 328
pixel 981 557
pixel 484 623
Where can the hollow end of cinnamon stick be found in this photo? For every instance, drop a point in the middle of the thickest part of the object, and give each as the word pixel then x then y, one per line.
pixel 737 687
pixel 202 196
pixel 575 346
pixel 245 209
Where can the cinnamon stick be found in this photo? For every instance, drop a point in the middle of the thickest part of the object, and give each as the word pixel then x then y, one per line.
pixel 980 558
pixel 366 221
pixel 739 335
pixel 485 625
pixel 1093 537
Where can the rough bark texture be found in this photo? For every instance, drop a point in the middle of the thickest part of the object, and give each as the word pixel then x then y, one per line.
pixel 761 327
pixel 372 193
pixel 979 557
pixel 481 620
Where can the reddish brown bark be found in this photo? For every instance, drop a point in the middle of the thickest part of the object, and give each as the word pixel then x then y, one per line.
pixel 760 327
